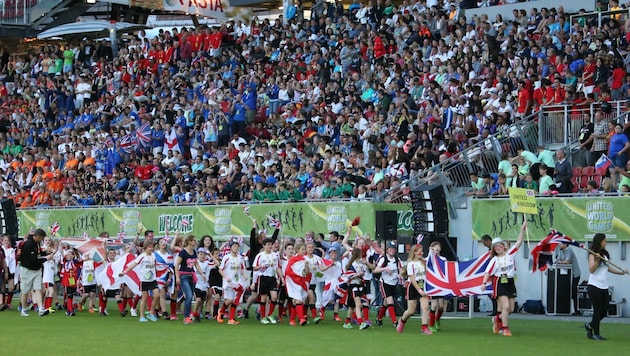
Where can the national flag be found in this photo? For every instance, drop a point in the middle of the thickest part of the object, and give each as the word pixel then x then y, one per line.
pixel 419 239
pixel 246 210
pixel 456 278
pixel 85 235
pixel 121 236
pixel 224 250
pixel 143 137
pixel 295 271
pixel 54 229
pixel 331 273
pixel 274 223
pixel 185 222
pixel 602 164
pixel 122 226
pixel 163 267
pixel 542 253
pixel 92 247
pixel 128 144
pixel 109 142
pixel 108 279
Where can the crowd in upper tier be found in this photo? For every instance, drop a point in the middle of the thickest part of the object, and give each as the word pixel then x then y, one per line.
pixel 343 105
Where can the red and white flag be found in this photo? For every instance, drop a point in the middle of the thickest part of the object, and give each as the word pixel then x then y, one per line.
pixel 108 278
pixel 54 229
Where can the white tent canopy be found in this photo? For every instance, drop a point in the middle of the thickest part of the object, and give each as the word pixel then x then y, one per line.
pixel 89 28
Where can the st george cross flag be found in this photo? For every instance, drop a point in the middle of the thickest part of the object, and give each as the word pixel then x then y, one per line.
pixel 108 278
pixel 542 253
pixel 456 278
pixel 602 164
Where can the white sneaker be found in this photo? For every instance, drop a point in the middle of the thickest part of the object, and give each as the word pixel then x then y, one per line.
pixel 43 312
pixel 264 321
pixel 133 312
pixel 273 320
pixel 23 313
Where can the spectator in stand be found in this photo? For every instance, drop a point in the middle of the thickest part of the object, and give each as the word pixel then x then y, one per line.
pixel 619 146
pixel 563 173
pixel 585 158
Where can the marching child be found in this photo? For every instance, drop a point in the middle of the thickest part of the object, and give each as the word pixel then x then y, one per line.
pixel 416 272
pixel 88 281
pixel 297 278
pixel 201 285
pixel 389 266
pixel 69 278
pixel 215 283
pixel 234 274
pixel 148 283
pixel 267 269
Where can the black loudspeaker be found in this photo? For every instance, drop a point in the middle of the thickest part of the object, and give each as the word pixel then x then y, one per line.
pixel 386 224
pixel 8 218
pixel 430 210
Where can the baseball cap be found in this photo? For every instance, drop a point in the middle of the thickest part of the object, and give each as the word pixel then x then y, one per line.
pixel 392 244
pixel 202 250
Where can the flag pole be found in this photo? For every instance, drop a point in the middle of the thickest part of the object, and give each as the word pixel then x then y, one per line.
pixel 605 261
pixel 526 231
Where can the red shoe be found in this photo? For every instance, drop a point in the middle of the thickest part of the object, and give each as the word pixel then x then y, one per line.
pixel 337 318
pixel 79 306
pixel 233 322
pixel 219 318
pixel 292 323
pixel 302 322
pixel 173 317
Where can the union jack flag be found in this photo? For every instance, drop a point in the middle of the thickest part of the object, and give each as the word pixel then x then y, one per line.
pixel 109 142
pixel 542 253
pixel 54 229
pixel 121 236
pixel 456 278
pixel 122 225
pixel 185 222
pixel 246 210
pixel 92 247
pixel 274 223
pixel 143 137
pixel 128 144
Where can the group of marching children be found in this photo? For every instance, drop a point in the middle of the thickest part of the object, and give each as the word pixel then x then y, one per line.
pixel 282 276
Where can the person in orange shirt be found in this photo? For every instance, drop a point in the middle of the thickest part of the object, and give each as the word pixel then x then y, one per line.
pixel 71 163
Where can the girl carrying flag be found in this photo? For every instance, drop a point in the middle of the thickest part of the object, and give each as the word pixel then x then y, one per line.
pixel 502 269
pixel 148 282
pixel 297 278
pixel 164 263
pixel 416 272
pixel 438 304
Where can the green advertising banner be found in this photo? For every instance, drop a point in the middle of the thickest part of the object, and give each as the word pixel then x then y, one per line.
pixel 579 218
pixel 220 221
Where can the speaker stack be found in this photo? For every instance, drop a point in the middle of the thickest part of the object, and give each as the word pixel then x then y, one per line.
pixel 386 225
pixel 8 218
pixel 430 218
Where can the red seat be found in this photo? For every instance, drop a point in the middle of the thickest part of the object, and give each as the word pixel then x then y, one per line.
pixel 584 181
pixel 576 187
pixel 588 171
pixel 577 171
pixel 598 180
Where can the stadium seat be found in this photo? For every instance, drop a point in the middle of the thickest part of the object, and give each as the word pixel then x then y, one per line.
pixel 577 171
pixel 575 182
pixel 584 181
pixel 598 179
pixel 588 171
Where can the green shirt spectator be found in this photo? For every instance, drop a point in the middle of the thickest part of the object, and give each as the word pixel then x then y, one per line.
pixel 282 193
pixel 546 157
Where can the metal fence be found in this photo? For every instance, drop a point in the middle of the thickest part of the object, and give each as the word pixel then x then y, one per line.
pixel 483 157
pixel 559 125
pixel 16 11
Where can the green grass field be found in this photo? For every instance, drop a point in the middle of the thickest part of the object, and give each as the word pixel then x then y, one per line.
pixel 58 334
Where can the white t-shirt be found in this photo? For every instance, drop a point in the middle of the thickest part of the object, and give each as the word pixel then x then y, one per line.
pixel 9 258
pixel 268 263
pixel 88 273
pixel 203 279
pixel 313 266
pixel 415 271
pixel 503 266
pixel 232 267
pixel 50 269
pixel 393 265
pixel 145 267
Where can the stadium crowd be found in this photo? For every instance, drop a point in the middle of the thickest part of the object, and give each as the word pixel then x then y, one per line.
pixel 346 104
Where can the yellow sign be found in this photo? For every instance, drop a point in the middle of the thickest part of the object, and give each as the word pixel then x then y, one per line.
pixel 523 201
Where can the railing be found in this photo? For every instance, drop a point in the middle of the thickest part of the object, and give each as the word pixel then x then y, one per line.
pixel 43 8
pixel 621 15
pixel 16 11
pixel 560 125
pixel 483 157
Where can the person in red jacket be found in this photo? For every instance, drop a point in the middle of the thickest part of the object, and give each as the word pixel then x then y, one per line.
pixel 379 48
pixel 70 278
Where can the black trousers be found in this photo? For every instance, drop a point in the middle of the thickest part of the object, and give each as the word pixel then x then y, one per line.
pixel 599 299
